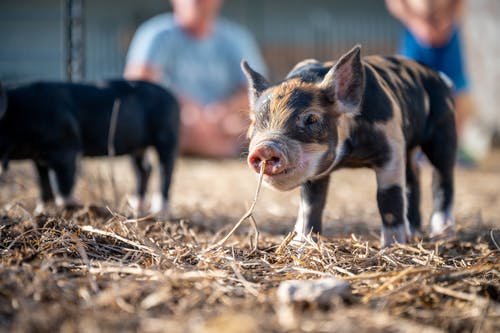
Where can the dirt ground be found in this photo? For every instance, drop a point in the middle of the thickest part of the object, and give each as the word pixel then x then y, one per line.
pixel 96 270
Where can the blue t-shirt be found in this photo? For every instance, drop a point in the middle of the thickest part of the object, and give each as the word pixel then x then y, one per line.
pixel 207 70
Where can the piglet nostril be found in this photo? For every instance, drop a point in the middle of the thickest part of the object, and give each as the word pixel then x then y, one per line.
pixel 274 161
pixel 272 156
pixel 255 162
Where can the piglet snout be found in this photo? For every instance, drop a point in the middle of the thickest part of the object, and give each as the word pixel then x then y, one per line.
pixel 271 154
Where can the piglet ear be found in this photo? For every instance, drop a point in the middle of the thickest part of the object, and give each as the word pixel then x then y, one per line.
pixel 256 83
pixel 3 101
pixel 345 82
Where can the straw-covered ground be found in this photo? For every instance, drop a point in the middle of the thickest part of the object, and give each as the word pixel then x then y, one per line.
pixel 94 269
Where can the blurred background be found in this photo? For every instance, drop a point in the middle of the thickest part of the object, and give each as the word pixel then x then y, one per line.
pixel 35 33
pixel 88 39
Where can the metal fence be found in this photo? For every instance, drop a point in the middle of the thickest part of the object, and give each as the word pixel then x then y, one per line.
pixel 36 45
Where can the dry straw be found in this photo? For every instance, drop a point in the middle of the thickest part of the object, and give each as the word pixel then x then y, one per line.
pixel 247 215
pixel 94 270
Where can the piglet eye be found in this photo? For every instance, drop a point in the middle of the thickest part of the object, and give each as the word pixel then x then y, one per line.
pixel 311 119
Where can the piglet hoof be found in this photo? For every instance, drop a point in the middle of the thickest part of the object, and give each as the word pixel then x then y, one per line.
pixel 44 207
pixel 442 226
pixel 39 208
pixel 392 235
pixel 304 232
pixel 299 239
pixel 160 207
pixel 137 205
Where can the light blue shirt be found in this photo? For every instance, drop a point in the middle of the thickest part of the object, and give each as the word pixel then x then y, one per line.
pixel 207 70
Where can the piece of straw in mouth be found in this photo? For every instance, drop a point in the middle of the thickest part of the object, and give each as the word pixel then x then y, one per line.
pixel 248 214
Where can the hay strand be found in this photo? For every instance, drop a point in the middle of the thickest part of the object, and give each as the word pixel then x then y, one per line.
pixel 90 229
pixel 247 215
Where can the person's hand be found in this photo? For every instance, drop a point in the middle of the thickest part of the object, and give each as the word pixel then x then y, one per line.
pixel 215 130
pixel 431 22
pixel 191 112
pixel 230 120
pixel 434 34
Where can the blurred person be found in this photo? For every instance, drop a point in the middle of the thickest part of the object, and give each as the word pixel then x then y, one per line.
pixel 197 54
pixel 432 36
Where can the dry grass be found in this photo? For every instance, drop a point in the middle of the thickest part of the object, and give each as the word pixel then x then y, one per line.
pixel 92 270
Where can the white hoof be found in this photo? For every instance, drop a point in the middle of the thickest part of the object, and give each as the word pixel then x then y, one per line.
pixel 442 225
pixel 160 206
pixel 39 208
pixel 137 205
pixel 391 235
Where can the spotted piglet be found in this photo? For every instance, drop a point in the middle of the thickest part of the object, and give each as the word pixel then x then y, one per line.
pixel 372 112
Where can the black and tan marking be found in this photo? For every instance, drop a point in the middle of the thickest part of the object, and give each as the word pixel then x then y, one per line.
pixel 372 112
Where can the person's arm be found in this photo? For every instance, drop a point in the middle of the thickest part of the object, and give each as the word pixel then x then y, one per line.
pixel 145 52
pixel 236 105
pixel 401 11
pixel 141 72
pixel 433 27
pixel 231 113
